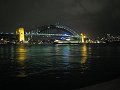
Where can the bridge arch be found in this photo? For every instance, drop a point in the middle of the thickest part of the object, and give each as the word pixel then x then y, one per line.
pixel 51 33
pixel 53 30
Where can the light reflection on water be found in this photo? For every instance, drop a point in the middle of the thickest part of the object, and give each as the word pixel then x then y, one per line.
pixel 26 60
pixel 21 50
pixel 84 54
pixel 39 59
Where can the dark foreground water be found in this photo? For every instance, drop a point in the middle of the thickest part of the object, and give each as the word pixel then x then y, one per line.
pixel 58 66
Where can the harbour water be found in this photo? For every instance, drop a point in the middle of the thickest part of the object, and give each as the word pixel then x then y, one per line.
pixel 58 66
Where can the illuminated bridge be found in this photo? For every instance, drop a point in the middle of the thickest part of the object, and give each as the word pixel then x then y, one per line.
pixel 52 32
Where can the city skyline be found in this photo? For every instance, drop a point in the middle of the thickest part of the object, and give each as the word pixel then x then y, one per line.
pixel 92 17
pixel 53 34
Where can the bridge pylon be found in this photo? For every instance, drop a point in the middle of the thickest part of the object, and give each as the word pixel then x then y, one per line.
pixel 21 35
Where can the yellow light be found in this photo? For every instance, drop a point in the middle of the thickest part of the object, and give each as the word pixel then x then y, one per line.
pixel 84 36
pixel 20 32
pixel 22 54
pixel 84 54
pixel 21 60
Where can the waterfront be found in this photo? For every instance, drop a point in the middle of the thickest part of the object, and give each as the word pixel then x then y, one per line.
pixel 58 66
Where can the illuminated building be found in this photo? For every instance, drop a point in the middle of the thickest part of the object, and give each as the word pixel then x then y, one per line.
pixel 7 38
pixel 20 33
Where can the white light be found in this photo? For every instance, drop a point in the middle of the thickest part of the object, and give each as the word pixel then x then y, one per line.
pixel 68 39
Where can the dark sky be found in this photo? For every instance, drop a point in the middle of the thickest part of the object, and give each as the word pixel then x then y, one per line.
pixel 92 17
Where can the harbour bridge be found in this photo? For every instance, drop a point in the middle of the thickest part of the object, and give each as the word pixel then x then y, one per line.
pixel 53 30
pixel 50 32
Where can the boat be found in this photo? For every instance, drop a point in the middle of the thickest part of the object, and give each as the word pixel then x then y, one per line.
pixel 66 42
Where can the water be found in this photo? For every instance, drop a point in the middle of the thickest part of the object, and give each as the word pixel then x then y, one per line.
pixel 70 66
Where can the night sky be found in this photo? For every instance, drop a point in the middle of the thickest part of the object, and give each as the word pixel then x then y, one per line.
pixel 92 17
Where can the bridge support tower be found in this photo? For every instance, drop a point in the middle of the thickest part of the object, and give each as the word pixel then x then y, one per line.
pixel 20 33
pixel 83 38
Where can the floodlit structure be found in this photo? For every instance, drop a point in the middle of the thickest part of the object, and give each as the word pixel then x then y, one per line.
pixel 20 33
pixel 53 32
pixel 82 38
